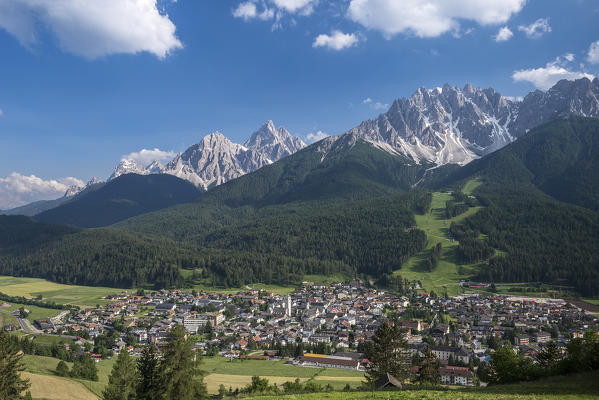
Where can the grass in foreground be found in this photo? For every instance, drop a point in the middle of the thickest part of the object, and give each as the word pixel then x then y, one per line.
pixel 574 387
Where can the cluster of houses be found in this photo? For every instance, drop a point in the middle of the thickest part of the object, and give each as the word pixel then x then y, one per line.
pixel 342 317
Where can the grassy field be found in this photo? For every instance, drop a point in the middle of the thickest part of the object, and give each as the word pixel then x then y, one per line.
pixel 83 296
pixel 237 373
pixel 583 386
pixel 55 388
pixel 471 186
pixel 445 278
pixel 35 312
pixel 46 366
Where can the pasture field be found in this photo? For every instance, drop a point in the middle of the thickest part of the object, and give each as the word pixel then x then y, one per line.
pixel 220 365
pixel 35 312
pixel 46 366
pixel 83 296
pixel 238 373
pixel 56 388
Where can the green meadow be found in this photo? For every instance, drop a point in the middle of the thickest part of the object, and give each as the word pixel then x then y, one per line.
pixel 83 296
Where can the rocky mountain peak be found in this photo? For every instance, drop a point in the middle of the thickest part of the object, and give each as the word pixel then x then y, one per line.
pixel 274 143
pixel 453 125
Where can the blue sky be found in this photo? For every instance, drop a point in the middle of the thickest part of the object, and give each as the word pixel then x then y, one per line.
pixel 84 83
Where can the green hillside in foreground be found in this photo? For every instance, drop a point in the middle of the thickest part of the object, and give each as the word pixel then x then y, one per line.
pixel 575 387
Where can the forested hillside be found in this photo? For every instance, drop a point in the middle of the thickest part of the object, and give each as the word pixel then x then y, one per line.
pixel 121 198
pixel 559 158
pixel 528 187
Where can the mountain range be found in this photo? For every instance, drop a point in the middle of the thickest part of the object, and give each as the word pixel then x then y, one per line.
pixel 348 203
pixel 216 159
pixel 432 128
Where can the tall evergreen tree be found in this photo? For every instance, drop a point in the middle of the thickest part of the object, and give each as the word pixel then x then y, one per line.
pixel 389 354
pixel 549 356
pixel 429 371
pixel 180 368
pixel 149 384
pixel 122 379
pixel 11 365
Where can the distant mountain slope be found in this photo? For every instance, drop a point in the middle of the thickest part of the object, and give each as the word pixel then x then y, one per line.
pixel 98 257
pixel 121 198
pixel 38 207
pixel 559 158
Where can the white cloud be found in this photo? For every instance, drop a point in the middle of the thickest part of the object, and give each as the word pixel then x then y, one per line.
pixel 593 56
pixel 536 29
pixel 17 190
pixel 93 29
pixel 380 106
pixel 429 18
pixel 336 41
pixel 245 10
pixel 303 7
pixel 1 113
pixel 144 157
pixel 315 137
pixel 514 98
pixel 248 10
pixel 375 105
pixel 503 35
pixel 545 77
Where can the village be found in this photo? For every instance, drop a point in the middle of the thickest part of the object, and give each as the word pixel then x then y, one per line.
pixel 327 326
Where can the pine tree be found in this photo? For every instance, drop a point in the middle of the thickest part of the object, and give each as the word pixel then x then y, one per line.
pixel 11 365
pixel 549 356
pixel 122 379
pixel 389 354
pixel 149 384
pixel 62 369
pixel 429 372
pixel 180 368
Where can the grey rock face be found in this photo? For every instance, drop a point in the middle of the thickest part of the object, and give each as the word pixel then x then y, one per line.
pixel 274 143
pixel 216 159
pixel 452 125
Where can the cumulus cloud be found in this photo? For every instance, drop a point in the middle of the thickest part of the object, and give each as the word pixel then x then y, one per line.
pixel 315 137
pixel 593 56
pixel 93 29
pixel 536 29
pixel 269 9
pixel 17 190
pixel 145 157
pixel 503 35
pixel 337 40
pixel 248 10
pixel 304 7
pixel 375 105
pixel 514 98
pixel 429 18
pixel 380 106
pixel 545 77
